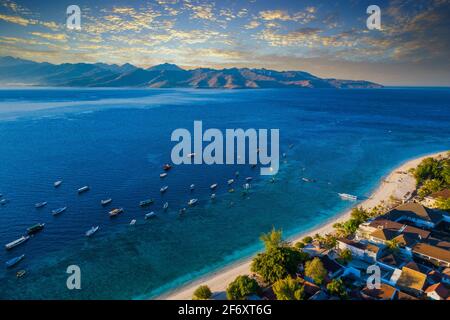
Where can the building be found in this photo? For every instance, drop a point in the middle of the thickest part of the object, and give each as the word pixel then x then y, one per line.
pixel 437 291
pixel 436 255
pixel 364 251
pixel 411 281
pixel 417 214
pixel 430 201
pixel 385 292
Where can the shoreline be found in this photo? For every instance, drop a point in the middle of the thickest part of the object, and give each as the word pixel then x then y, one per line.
pixel 396 184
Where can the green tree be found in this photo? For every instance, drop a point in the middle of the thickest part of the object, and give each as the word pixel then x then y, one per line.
pixel 299 245
pixel 315 270
pixel 429 168
pixel 429 186
pixel 337 288
pixel 278 263
pixel 443 204
pixel 392 246
pixel 288 289
pixel 241 288
pixel 202 293
pixel 359 215
pixel 273 239
pixel 307 240
pixel 345 256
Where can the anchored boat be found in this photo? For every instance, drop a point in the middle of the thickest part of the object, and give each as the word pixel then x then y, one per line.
pixel 83 189
pixel 11 263
pixel 40 204
pixel 91 231
pixel 146 203
pixel 106 202
pixel 35 228
pixel 192 202
pixel 115 212
pixel 58 211
pixel 346 196
pixel 15 243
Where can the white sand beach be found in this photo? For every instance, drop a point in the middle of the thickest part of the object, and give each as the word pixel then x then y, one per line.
pixel 398 184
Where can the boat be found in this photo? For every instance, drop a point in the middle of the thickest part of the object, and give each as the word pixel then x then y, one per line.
pixel 231 181
pixel 20 273
pixel 346 196
pixel 115 212
pixel 182 211
pixel 15 243
pixel 192 187
pixel 40 204
pixel 248 179
pixel 58 211
pixel 146 203
pixel 163 175
pixel 213 186
pixel 308 180
pixel 3 202
pixel 133 222
pixel 246 186
pixel 35 228
pixel 56 184
pixel 167 167
pixel 213 196
pixel 166 206
pixel 106 202
pixel 83 189
pixel 192 202
pixel 12 262
pixel 164 189
pixel 91 231
pixel 231 190
pixel 150 215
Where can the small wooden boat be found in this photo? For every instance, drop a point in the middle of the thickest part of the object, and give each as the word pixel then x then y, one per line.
pixel 146 203
pixel 192 202
pixel 16 242
pixel 106 202
pixel 58 211
pixel 150 215
pixel 83 189
pixel 12 262
pixel 231 181
pixel 20 273
pixel 164 189
pixel 35 228
pixel 192 187
pixel 40 204
pixel 91 231
pixel 163 175
pixel 182 211
pixel 248 179
pixel 246 186
pixel 166 206
pixel 56 184
pixel 213 196
pixel 133 222
pixel 115 212
pixel 231 190
pixel 167 167
pixel 3 202
pixel 213 186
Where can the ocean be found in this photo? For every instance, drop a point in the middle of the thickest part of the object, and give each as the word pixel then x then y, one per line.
pixel 116 141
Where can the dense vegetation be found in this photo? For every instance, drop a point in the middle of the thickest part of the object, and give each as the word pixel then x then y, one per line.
pixel 288 289
pixel 202 293
pixel 241 288
pixel 433 175
pixel 315 270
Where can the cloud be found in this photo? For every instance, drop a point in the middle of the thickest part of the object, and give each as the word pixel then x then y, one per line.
pixel 17 20
pixel 50 36
pixel 252 25
pixel 305 16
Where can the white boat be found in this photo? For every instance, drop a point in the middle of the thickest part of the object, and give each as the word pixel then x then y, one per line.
pixel 192 187
pixel 163 175
pixel 106 202
pixel 150 215
pixel 133 222
pixel 182 211
pixel 16 242
pixel 83 189
pixel 56 184
pixel 91 231
pixel 164 189
pixel 3 202
pixel 40 204
pixel 115 212
pixel 213 196
pixel 166 206
pixel 58 211
pixel 248 179
pixel 246 186
pixel 346 196
pixel 231 181
pixel 192 202
pixel 213 186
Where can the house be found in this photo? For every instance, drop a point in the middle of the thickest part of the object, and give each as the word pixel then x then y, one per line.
pixel 437 291
pixel 411 281
pixel 404 296
pixel 390 261
pixel 385 292
pixel 364 251
pixel 436 255
pixel 430 201
pixel 333 268
pixel 417 214
pixel 446 275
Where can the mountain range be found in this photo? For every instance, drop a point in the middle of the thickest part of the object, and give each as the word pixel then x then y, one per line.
pixel 19 72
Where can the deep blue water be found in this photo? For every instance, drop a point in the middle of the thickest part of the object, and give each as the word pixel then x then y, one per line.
pixel 115 141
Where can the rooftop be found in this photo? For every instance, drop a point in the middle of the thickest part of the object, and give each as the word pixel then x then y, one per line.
pixel 411 279
pixel 440 289
pixel 385 292
pixel 432 251
pixel 445 194
pixel 416 211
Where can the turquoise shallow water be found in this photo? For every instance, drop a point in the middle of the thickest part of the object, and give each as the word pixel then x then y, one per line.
pixel 116 141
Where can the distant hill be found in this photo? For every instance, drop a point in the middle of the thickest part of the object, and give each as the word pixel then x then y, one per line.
pixel 14 71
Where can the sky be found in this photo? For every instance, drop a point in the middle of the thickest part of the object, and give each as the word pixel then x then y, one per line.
pixel 327 38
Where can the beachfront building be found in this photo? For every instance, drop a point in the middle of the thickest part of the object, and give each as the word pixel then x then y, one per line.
pixel 437 292
pixel 430 200
pixel 436 255
pixel 416 213
pixel 364 251
pixel 411 281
